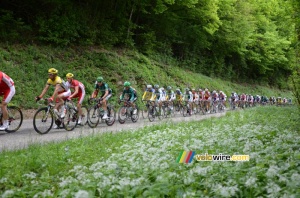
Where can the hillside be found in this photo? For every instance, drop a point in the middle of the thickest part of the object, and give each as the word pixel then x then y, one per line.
pixel 28 65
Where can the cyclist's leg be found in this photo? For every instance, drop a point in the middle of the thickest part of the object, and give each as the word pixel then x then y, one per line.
pixel 9 92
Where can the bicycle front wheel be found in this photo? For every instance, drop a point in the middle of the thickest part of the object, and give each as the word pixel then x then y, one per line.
pixel 151 113
pixel 135 117
pixel 84 115
pixel 15 119
pixel 111 116
pixel 43 120
pixel 122 115
pixel 70 120
pixel 93 117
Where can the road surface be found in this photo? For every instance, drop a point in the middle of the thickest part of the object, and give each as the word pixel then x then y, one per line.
pixel 26 135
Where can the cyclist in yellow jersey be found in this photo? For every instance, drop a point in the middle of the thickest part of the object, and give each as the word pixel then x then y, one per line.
pixel 178 96
pixel 149 93
pixel 61 92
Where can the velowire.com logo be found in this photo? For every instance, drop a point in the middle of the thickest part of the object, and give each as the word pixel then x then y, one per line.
pixel 187 157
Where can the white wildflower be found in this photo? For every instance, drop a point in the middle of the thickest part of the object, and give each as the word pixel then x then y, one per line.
pixel 272 171
pixel 112 166
pixel 3 180
pixel 189 179
pixel 200 170
pixel 65 193
pixel 45 193
pixel 225 191
pixel 273 189
pixel 251 182
pixel 66 181
pixel 82 194
pixel 97 175
pixel 8 193
pixel 30 175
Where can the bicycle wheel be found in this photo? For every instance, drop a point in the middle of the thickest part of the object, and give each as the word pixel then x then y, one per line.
pixel 135 117
pixel 70 120
pixel 144 111
pixel 43 120
pixel 84 110
pixel 184 111
pixel 122 115
pixel 111 115
pixel 159 113
pixel 151 114
pixel 93 117
pixel 15 119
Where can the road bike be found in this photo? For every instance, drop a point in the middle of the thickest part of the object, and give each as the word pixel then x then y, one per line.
pixel 15 118
pixel 154 111
pixel 127 112
pixel 45 117
pixel 96 113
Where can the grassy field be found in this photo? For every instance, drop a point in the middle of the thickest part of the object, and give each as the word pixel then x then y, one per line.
pixel 28 67
pixel 142 163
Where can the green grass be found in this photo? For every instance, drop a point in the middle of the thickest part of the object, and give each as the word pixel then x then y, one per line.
pixel 28 66
pixel 142 163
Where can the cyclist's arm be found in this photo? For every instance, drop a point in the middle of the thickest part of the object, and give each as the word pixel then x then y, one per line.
pixel 75 92
pixel 95 93
pixel 106 93
pixel 44 91
pixel 132 95
pixel 122 95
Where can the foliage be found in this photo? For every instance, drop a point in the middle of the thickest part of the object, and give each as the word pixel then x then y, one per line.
pixel 142 163
pixel 28 65
pixel 251 40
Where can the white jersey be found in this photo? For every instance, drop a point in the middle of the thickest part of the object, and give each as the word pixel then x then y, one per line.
pixel 188 96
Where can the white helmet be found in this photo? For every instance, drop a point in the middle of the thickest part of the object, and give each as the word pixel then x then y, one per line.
pixel 149 86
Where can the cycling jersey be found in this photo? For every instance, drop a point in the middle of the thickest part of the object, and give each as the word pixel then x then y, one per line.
pixel 149 94
pixel 81 90
pixel 170 95
pixel 7 88
pixel 215 97
pixel 195 96
pixel 58 80
pixel 103 88
pixel 206 95
pixel 130 94
pixel 188 96
pixel 178 96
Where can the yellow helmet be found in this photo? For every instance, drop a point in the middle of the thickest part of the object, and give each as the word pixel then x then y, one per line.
pixel 52 71
pixel 70 75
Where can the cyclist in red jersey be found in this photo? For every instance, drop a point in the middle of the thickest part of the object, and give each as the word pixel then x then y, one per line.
pixel 7 90
pixel 79 92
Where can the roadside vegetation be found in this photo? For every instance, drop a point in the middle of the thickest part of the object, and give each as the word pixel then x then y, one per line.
pixel 28 66
pixel 142 163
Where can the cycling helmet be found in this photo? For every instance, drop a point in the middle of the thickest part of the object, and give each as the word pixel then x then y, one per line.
pixel 149 86
pixel 177 89
pixel 187 89
pixel 126 84
pixel 214 91
pixel 70 75
pixel 169 88
pixel 206 89
pixel 162 89
pixel 156 86
pixel 100 79
pixel 52 71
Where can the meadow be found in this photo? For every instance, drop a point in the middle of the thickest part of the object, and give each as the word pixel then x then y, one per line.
pixel 142 163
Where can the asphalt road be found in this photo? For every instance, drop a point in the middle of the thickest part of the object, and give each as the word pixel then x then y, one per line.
pixel 26 135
